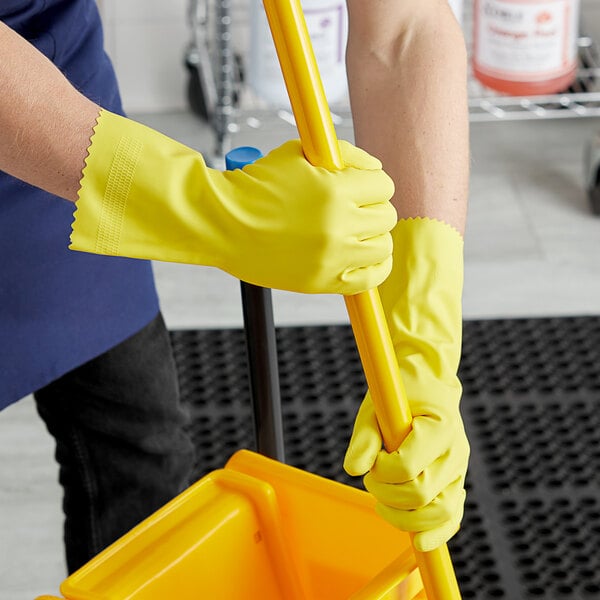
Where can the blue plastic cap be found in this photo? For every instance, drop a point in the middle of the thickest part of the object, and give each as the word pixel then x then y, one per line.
pixel 242 156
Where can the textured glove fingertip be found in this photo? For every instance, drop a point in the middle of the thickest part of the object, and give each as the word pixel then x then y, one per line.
pixel 426 541
pixel 360 456
pixel 354 467
pixel 365 443
pixel 357 280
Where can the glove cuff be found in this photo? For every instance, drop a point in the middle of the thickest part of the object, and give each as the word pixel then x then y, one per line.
pixel 422 300
pixel 131 173
pixel 106 180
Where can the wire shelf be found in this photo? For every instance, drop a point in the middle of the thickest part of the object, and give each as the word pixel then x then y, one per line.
pixel 237 108
pixel 582 99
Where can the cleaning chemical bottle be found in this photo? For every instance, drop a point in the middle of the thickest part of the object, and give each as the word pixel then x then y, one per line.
pixel 327 24
pixel 525 47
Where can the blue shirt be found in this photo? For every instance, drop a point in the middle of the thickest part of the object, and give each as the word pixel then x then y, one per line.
pixel 60 308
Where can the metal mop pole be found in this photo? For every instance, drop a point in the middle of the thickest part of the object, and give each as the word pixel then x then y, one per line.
pixel 261 346
pixel 319 142
pixel 264 374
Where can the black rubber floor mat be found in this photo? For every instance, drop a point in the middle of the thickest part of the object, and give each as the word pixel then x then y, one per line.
pixel 530 405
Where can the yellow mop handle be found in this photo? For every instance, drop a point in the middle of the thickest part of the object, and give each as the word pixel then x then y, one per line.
pixel 319 142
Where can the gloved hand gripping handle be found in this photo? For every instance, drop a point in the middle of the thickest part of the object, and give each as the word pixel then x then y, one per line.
pixel 319 143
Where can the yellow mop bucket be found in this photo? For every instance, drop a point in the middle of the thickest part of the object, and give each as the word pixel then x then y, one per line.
pixel 257 529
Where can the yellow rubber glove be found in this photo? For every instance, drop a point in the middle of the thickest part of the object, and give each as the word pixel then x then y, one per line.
pixel 420 487
pixel 279 223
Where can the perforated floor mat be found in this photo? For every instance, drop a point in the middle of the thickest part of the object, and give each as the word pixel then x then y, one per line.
pixel 530 405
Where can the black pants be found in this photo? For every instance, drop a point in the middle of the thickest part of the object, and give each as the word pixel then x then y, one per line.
pixel 120 440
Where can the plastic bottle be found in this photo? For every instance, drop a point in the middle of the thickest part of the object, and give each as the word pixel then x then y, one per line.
pixel 525 47
pixel 327 24
pixel 457 9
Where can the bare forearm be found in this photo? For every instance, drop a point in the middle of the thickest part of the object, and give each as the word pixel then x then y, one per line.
pixel 407 77
pixel 45 123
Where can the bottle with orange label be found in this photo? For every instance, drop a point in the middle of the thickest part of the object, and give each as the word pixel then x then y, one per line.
pixel 525 47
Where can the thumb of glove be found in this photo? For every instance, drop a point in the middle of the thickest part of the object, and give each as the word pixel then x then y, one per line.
pixel 353 156
pixel 366 441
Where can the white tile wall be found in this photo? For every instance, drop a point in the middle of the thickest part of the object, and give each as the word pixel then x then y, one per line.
pixel 146 40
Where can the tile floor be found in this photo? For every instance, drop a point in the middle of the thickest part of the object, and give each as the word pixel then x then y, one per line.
pixel 532 249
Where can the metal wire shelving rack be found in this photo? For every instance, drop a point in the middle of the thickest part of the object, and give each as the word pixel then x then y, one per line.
pixel 581 99
pixel 221 98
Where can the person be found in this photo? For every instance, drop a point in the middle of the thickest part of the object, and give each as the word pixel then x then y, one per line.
pixel 407 74
pixel 82 331
pixel 406 64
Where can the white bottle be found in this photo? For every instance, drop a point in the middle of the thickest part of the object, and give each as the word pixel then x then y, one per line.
pixel 457 8
pixel 327 23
